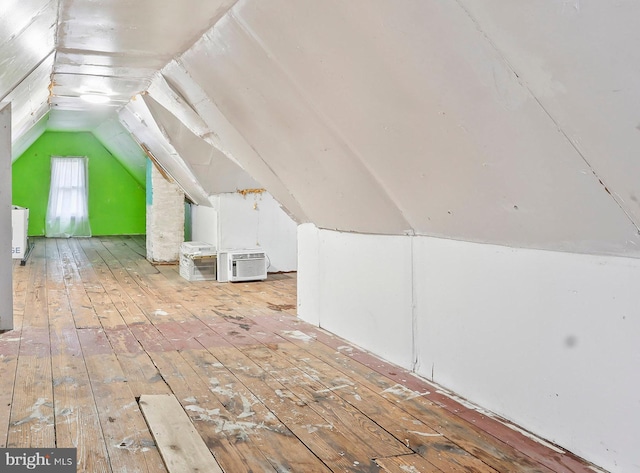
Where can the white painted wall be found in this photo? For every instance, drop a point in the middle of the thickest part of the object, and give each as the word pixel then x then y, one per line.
pixel 549 340
pixel 359 287
pixel 6 263
pixel 250 221
pixel 204 224
pixel 165 218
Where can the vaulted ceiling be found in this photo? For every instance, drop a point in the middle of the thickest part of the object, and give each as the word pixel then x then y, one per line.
pixel 515 123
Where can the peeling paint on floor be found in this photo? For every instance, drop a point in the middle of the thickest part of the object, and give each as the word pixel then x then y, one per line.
pixel 403 392
pixel 298 335
pixel 37 414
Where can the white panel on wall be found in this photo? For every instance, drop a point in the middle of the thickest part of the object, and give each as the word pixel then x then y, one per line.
pixel 365 290
pixel 6 288
pixel 550 340
pixel 204 224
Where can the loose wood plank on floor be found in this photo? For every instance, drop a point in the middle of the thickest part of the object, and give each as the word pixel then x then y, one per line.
pixel 180 445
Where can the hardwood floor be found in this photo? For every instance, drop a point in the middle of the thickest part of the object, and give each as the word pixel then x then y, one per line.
pixel 97 326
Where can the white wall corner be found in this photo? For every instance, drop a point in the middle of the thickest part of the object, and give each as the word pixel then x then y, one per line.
pixel 6 265
pixel 204 224
pixel 309 268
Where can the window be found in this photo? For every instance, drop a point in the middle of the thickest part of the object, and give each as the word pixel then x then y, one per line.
pixel 68 209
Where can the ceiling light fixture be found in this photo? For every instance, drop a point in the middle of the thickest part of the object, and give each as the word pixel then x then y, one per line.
pixel 95 98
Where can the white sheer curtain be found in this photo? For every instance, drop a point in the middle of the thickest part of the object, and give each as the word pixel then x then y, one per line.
pixel 68 209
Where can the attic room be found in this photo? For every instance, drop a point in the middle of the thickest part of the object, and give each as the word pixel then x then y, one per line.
pixel 447 194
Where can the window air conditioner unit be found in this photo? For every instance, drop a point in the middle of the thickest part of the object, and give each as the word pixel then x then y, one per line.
pixel 242 265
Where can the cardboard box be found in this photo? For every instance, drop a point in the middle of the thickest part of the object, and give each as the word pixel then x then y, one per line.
pixel 19 225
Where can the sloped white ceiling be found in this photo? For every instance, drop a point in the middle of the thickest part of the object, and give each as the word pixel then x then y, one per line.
pixel 121 143
pixel 226 137
pixel 412 119
pixel 113 47
pixel 216 173
pixel 580 61
pixel 54 51
pixel 476 120
pixel 27 45
pixel 32 94
pixel 138 120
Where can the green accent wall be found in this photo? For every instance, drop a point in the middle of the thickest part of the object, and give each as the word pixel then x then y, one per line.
pixel 116 199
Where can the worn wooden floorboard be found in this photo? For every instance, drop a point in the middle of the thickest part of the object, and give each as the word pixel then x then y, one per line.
pixel 82 310
pixel 250 417
pixel 10 346
pixel 31 420
pixel 180 445
pixel 76 417
pixel 127 439
pixel 233 451
pixel 97 326
pixel 470 440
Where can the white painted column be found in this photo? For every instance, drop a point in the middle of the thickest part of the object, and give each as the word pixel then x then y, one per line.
pixel 6 262
pixel 165 218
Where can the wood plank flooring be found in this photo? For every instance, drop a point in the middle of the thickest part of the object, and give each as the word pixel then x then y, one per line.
pixel 97 326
